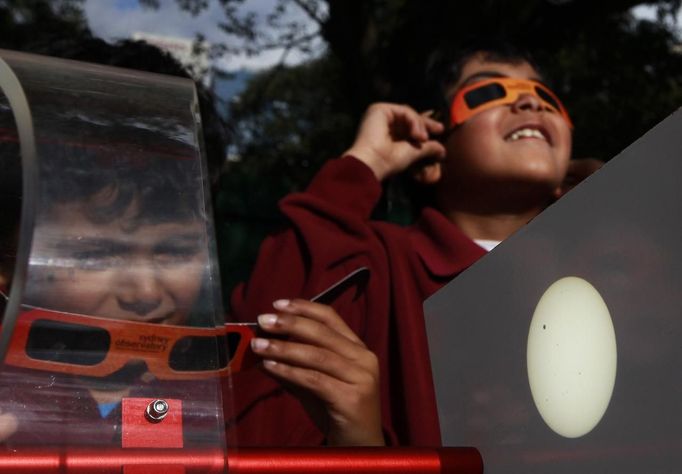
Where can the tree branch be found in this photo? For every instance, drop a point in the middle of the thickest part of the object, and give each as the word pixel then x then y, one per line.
pixel 311 12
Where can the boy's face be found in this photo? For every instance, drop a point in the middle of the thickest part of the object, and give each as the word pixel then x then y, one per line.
pixel 485 150
pixel 148 273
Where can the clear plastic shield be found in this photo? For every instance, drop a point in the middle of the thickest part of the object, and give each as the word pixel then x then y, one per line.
pixel 119 339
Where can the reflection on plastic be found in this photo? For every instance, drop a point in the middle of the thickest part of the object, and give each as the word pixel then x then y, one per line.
pixel 122 249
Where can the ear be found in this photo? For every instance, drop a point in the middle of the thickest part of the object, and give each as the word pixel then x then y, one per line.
pixel 429 173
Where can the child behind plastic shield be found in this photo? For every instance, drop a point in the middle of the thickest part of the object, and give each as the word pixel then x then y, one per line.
pixel 116 237
pixel 120 239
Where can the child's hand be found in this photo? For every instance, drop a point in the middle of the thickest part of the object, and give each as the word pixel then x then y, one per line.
pixel 8 425
pixel 324 356
pixel 391 137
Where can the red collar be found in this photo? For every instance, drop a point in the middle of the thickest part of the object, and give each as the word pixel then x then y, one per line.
pixel 441 245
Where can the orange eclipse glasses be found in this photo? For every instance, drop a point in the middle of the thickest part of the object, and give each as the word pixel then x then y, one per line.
pixel 98 347
pixel 483 95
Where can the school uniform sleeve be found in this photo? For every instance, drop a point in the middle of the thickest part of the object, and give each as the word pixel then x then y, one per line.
pixel 329 235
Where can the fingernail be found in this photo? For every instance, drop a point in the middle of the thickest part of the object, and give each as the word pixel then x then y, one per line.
pixel 281 304
pixel 267 320
pixel 259 344
pixel 269 363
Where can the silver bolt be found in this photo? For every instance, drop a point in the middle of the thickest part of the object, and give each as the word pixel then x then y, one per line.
pixel 156 411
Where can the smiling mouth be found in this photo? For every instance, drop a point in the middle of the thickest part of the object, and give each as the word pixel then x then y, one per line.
pixel 528 133
pixel 161 319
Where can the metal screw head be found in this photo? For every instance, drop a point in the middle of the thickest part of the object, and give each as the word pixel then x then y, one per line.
pixel 156 411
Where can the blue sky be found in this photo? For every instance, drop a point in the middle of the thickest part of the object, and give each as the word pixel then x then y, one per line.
pixel 119 19
pixel 127 4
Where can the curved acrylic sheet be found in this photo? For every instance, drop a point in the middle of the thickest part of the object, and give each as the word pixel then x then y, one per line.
pixel 122 243
pixel 19 173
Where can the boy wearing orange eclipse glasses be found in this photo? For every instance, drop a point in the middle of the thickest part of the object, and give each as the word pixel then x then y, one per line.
pixel 497 156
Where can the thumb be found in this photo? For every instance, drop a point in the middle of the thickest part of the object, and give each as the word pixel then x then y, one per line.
pixel 432 149
pixel 9 424
pixel 409 154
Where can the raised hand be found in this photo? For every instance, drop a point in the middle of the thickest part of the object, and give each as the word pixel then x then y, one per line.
pixel 392 137
pixel 322 355
pixel 9 424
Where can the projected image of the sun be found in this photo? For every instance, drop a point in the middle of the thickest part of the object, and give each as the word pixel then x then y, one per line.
pixel 571 357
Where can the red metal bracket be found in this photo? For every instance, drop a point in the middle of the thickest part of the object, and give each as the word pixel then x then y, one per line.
pixel 151 423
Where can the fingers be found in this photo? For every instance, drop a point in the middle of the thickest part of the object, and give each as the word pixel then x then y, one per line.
pixel 306 364
pixel 320 384
pixel 422 127
pixel 392 137
pixel 433 126
pixel 321 313
pixel 419 126
pixel 353 409
pixel 328 331
pixel 432 149
pixel 325 357
pixel 318 339
pixel 8 425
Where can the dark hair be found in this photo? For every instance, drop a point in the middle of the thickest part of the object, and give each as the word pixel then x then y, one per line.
pixel 444 69
pixel 159 185
pixel 142 56
pixel 86 172
pixel 163 188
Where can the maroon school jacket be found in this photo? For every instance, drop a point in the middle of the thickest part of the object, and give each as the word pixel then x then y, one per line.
pixel 330 235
